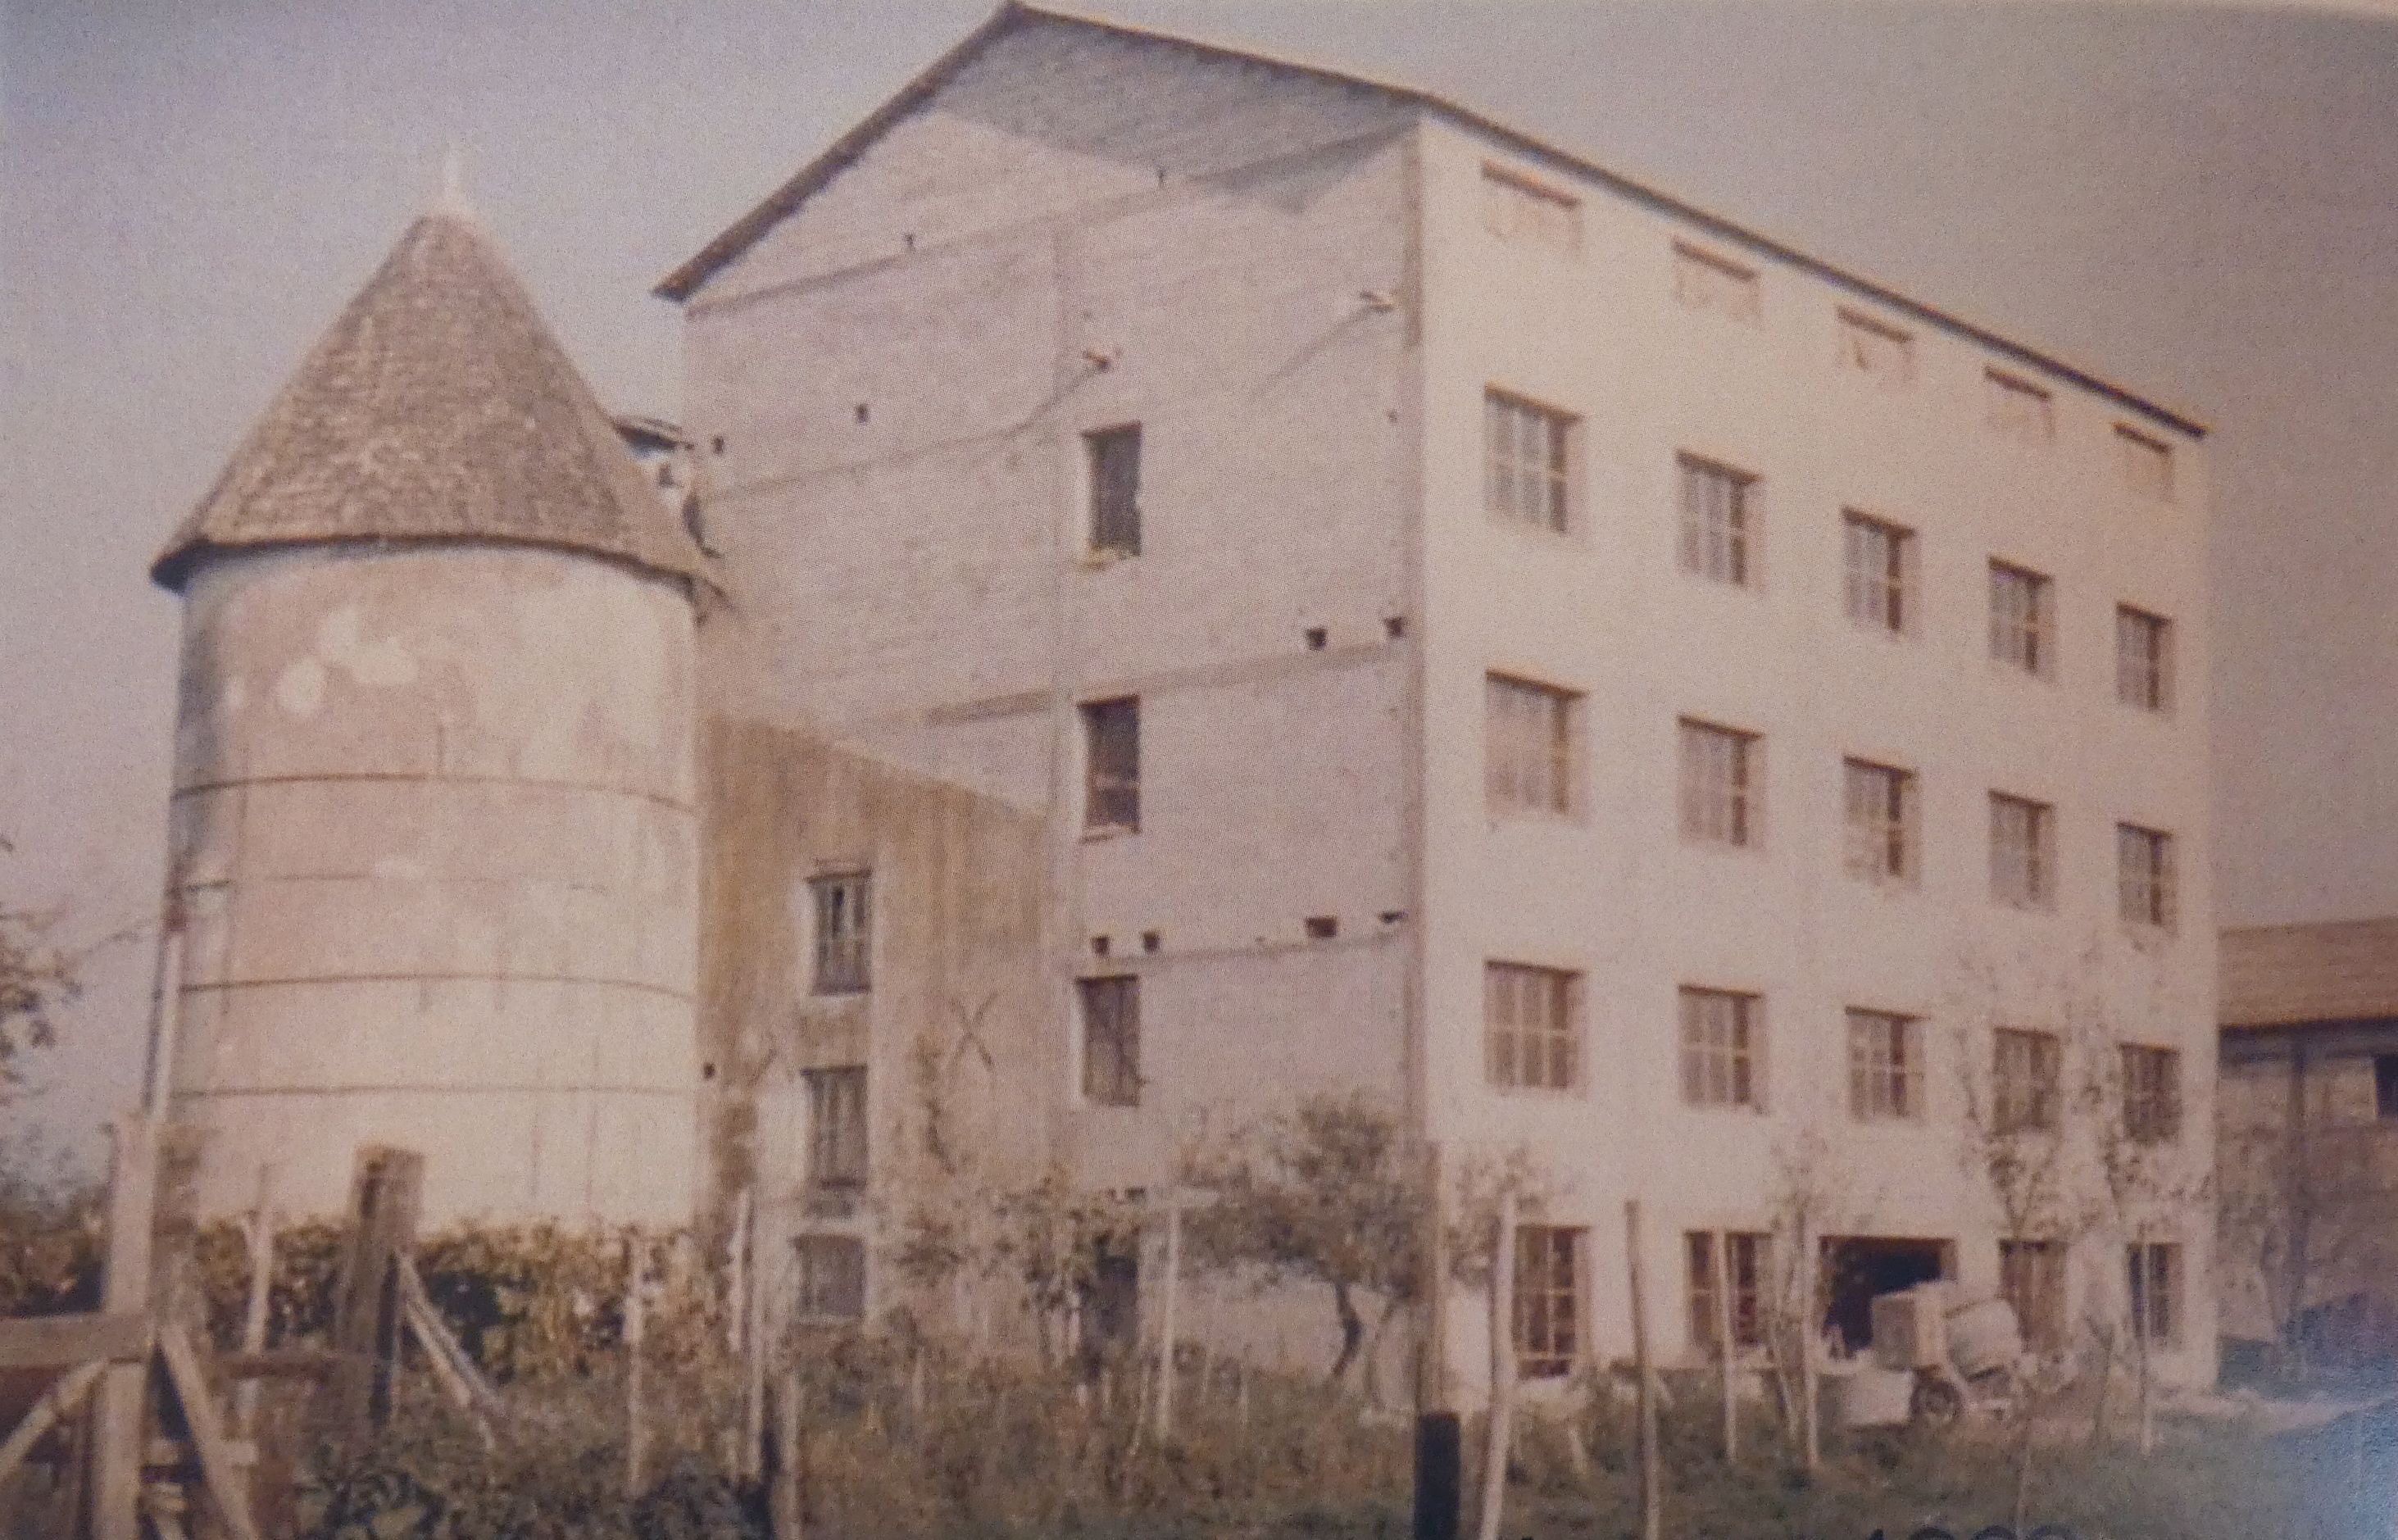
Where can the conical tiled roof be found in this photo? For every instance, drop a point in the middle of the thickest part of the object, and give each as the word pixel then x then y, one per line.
pixel 439 407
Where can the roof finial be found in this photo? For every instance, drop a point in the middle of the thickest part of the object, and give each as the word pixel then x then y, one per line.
pixel 453 198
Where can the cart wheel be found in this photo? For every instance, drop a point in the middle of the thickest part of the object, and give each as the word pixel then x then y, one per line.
pixel 1937 1402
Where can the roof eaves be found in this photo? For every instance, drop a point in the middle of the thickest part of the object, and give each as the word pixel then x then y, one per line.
pixel 684 280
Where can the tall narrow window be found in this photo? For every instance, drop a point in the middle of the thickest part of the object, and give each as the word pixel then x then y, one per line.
pixel 1880 811
pixel 2155 1288
pixel 2023 852
pixel 2019 409
pixel 1706 281
pixel 1529 758
pixel 1876 349
pixel 1719 517
pixel 1114 465
pixel 1526 460
pixel 1885 1066
pixel 2023 618
pixel 1880 560
pixel 836 1127
pixel 1744 1255
pixel 1720 1049
pixel 2144 861
pixel 2148 463
pixel 1112 764
pixel 844 919
pixel 1721 784
pixel 831 1278
pixel 2143 659
pixel 1517 208
pixel 2151 1094
pixel 1110 1040
pixel 1546 1311
pixel 2031 1277
pixel 2026 1070
pixel 1530 1028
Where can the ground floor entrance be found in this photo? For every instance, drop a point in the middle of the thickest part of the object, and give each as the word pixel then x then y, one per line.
pixel 1858 1267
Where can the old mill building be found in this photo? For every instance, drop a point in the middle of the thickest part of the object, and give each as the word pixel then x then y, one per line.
pixel 1208 580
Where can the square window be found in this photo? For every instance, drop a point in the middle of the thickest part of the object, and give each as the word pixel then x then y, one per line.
pixel 1110 1040
pixel 2023 852
pixel 2151 1094
pixel 1112 764
pixel 831 1278
pixel 1744 1261
pixel 1722 1051
pixel 1546 1311
pixel 2027 1071
pixel 1114 469
pixel 836 1127
pixel 1882 352
pixel 2144 861
pixel 1722 784
pixel 2143 659
pixel 1531 1027
pixel 1528 748
pixel 1706 281
pixel 1516 208
pixel 844 929
pixel 1527 461
pixel 1879 803
pixel 2023 618
pixel 2019 409
pixel 2148 463
pixel 1885 1066
pixel 1718 522
pixel 1880 562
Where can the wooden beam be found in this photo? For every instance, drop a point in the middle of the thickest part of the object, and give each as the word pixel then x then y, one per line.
pixel 125 1289
pixel 58 1403
pixel 62 1342
pixel 368 1315
pixel 281 1363
pixel 218 1469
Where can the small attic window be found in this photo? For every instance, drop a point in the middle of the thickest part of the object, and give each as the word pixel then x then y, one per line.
pixel 1517 208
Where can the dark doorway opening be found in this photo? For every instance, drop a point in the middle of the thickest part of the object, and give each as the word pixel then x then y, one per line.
pixel 1109 1298
pixel 1858 1267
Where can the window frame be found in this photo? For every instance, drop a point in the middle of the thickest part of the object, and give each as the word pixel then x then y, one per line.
pixel 2019 409
pixel 2155 1281
pixel 1725 811
pixel 1524 199
pixel 1113 525
pixel 2152 1097
pixel 1518 751
pixel 2147 884
pixel 1546 1309
pixel 1880 817
pixel 1531 1023
pixel 1722 1055
pixel 2037 868
pixel 1718 533
pixel 1554 471
pixel 2143 659
pixel 841 947
pixel 2023 639
pixel 2033 1279
pixel 1110 766
pixel 839 1133
pixel 1879 595
pixel 1748 1257
pixel 2027 1085
pixel 1108 1018
pixel 1887 1078
pixel 2147 463
pixel 1889 341
pixel 1706 281
pixel 813 1268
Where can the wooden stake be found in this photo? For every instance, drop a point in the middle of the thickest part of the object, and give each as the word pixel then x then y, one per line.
pixel 637 1432
pixel 1721 1257
pixel 1645 1388
pixel 1811 1326
pixel 1503 1368
pixel 125 1289
pixel 753 1399
pixel 1166 1325
pixel 785 1503
pixel 217 1469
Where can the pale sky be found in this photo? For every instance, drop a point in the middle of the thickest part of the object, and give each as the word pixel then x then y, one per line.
pixel 2200 203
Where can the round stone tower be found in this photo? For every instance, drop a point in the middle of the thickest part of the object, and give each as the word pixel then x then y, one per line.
pixel 433 854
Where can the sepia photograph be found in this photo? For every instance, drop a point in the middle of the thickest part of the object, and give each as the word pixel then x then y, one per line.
pixel 1215 769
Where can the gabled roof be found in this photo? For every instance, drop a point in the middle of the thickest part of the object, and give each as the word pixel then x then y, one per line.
pixel 2344 970
pixel 686 280
pixel 437 407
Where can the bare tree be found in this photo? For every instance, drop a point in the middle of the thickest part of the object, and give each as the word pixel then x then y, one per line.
pixel 38 977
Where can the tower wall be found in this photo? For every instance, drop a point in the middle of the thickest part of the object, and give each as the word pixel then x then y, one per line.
pixel 434 847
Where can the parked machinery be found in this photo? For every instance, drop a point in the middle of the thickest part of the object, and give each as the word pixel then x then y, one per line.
pixel 1964 1354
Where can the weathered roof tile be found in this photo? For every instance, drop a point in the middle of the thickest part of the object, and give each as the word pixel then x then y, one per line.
pixel 2341 971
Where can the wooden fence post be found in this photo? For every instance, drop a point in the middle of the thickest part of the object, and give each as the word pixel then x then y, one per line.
pixel 1503 1368
pixel 254 1308
pixel 118 1411
pixel 1167 1325
pixel 367 1317
pixel 1721 1246
pixel 636 1430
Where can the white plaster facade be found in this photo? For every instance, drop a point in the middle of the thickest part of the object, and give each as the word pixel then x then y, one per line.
pixel 1287 280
